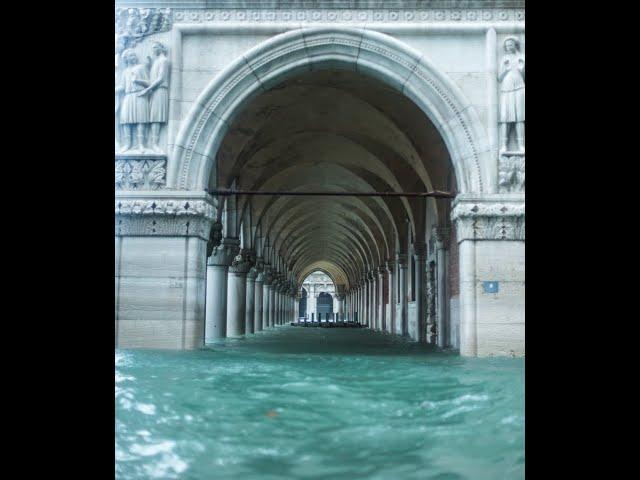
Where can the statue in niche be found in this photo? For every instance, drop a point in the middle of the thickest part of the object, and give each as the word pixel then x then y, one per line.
pixel 158 91
pixel 134 109
pixel 511 78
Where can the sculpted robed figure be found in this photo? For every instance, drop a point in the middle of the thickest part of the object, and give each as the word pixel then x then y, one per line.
pixel 158 94
pixel 134 109
pixel 511 78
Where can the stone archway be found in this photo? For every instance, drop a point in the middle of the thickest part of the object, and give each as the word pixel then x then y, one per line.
pixel 370 53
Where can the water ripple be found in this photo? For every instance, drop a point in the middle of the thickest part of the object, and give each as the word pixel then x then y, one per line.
pixel 311 404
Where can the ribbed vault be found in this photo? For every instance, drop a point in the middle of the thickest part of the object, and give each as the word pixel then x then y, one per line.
pixel 339 131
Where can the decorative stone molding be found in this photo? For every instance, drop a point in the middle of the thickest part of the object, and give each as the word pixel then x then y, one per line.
pixel 224 253
pixel 163 215
pixel 436 12
pixel 511 170
pixel 137 172
pixel 401 259
pixel 485 219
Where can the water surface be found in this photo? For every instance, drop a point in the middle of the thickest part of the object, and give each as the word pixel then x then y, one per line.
pixel 309 403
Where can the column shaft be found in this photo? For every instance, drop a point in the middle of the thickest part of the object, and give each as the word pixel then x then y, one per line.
pixel 216 303
pixel 236 298
pixel 259 306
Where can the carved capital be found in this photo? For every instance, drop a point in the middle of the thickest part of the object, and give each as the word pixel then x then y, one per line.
pixel 419 251
pixel 485 219
pixel 390 264
pixel 163 214
pixel 441 235
pixel 224 253
pixel 242 262
pixel 401 259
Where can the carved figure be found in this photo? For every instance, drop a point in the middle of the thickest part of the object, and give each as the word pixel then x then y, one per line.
pixel 158 91
pixel 120 47
pixel 511 78
pixel 134 110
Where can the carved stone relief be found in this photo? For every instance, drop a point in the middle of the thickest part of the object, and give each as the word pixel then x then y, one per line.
pixel 134 24
pixel 141 94
pixel 511 170
pixel 142 100
pixel 140 173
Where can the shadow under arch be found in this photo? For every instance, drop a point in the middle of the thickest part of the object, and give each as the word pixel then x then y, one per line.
pixel 371 53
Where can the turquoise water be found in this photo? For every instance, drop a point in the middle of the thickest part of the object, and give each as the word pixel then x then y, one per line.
pixel 309 403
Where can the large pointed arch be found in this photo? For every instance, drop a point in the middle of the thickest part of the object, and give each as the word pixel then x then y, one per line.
pixel 370 53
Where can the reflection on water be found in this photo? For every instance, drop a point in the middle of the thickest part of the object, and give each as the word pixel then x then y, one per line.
pixel 318 404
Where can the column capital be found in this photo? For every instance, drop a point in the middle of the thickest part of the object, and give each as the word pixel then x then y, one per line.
pixel 441 236
pixel 390 264
pixel 224 253
pixel 167 214
pixel 241 263
pixel 495 217
pixel 419 250
pixel 401 259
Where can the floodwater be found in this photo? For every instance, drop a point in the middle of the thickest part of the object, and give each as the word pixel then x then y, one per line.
pixel 311 403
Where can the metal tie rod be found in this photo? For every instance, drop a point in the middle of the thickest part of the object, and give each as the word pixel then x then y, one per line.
pixel 433 193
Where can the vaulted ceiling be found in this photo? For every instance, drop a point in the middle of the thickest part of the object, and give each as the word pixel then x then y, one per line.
pixel 333 131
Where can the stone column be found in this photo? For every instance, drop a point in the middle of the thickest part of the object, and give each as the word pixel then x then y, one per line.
pixel 237 295
pixel 441 235
pixel 375 298
pixel 272 302
pixel 161 254
pixel 250 305
pixel 372 300
pixel 491 236
pixel 266 297
pixel 216 290
pixel 393 295
pixel 365 303
pixel 382 310
pixel 404 300
pixel 420 255
pixel 258 301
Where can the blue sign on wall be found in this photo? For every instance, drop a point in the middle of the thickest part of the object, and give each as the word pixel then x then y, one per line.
pixel 490 287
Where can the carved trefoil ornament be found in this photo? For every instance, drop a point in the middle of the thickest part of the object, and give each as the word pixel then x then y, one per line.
pixel 140 174
pixel 511 77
